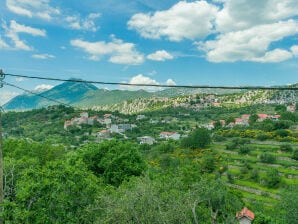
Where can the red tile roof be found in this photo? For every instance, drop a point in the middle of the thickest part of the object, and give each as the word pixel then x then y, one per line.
pixel 264 116
pixel 247 213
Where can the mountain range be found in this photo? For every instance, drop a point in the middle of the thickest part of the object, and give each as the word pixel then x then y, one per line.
pixel 85 95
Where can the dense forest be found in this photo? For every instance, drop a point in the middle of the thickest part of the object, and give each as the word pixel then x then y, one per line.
pixel 54 175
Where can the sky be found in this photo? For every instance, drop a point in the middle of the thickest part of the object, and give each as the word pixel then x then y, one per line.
pixel 207 42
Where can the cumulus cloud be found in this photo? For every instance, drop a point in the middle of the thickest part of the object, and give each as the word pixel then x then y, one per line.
pixel 32 8
pixel 141 79
pixel 12 32
pixel 88 23
pixel 5 96
pixel 43 56
pixel 190 20
pixel 294 50
pixel 251 44
pixel 171 82
pixel 117 51
pixel 161 55
pixel 43 87
pixel 243 14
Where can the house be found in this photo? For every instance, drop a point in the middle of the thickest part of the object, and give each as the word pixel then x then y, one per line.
pixel 141 117
pixel 169 135
pixel 222 123
pixel 84 114
pixel 91 120
pixel 103 134
pixel 210 126
pixel 275 117
pixel 240 121
pixel 120 128
pixel 262 117
pixel 245 117
pixel 291 108
pixel 231 125
pixel 107 116
pixel 67 124
pixel 245 216
pixel 146 140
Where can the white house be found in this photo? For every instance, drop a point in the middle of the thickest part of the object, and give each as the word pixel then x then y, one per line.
pixel 141 117
pixel 146 140
pixel 169 135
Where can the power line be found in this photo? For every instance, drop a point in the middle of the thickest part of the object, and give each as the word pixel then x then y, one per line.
pixel 37 94
pixel 155 85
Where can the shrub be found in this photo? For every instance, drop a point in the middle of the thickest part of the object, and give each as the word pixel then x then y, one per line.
pixel 282 132
pixel 267 158
pixel 244 149
pixel 200 138
pixel 286 148
pixel 272 178
pixel 262 137
pixel 295 154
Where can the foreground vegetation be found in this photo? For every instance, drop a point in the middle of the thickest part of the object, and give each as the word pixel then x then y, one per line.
pixel 58 176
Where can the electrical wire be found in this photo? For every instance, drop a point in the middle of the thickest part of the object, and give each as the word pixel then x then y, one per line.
pixel 156 85
pixel 37 94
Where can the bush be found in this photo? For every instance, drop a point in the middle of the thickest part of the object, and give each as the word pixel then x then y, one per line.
pixel 200 138
pixel 267 158
pixel 286 148
pixel 244 149
pixel 262 137
pixel 231 146
pixel 272 178
pixel 295 154
pixel 282 132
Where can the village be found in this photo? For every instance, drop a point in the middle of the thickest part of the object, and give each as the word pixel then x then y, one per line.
pixel 112 125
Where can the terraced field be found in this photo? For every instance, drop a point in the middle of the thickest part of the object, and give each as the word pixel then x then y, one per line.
pixel 240 169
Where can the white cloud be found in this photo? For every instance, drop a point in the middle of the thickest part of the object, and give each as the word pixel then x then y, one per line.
pixel 251 44
pixel 161 55
pixel 243 14
pixel 12 32
pixel 118 51
pixel 43 56
pixel 43 87
pixel 190 20
pixel 274 56
pixel 294 50
pixel 4 45
pixel 88 23
pixel 5 96
pixel 171 82
pixel 32 8
pixel 141 79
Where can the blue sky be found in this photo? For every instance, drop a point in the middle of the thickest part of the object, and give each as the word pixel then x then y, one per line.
pixel 215 42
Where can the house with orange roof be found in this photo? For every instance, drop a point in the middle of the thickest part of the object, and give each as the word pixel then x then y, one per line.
pixel 262 117
pixel 245 216
pixel 169 135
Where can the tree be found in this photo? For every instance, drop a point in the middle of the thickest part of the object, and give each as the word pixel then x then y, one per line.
pixel 262 219
pixel 115 161
pixel 214 195
pixel 208 163
pixel 200 138
pixel 252 119
pixel 272 178
pixel 59 192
